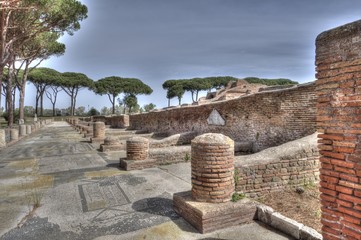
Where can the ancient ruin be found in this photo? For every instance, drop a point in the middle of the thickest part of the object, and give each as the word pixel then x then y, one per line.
pixel 338 60
pixel 232 148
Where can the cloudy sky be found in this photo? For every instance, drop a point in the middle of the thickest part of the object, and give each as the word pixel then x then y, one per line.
pixel 156 40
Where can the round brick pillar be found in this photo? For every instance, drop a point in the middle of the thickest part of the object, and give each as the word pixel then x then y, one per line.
pixel 137 148
pixel 99 130
pixel 28 129
pixel 212 168
pixel 2 138
pixel 14 134
pixel 22 130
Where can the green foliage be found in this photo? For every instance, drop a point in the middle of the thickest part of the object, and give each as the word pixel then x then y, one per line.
pixel 176 88
pixel 309 184
pixel 270 82
pixel 149 107
pixel 80 111
pixel 29 111
pixel 16 116
pixel 53 15
pixel 237 196
pixel 176 91
pixel 45 76
pixel 187 157
pixel 93 112
pixel 113 86
pixel 130 102
pixel 236 176
pixel 73 80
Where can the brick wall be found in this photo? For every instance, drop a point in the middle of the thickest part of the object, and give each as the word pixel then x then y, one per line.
pixel 265 119
pixel 121 121
pixel 338 60
pixel 291 164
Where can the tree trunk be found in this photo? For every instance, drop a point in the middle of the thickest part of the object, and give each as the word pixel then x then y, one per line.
pixel 53 109
pixel 113 111
pixel 1 76
pixel 41 104
pixel 9 100
pixel 72 102
pixel 14 94
pixel 168 102
pixel 21 102
pixel 22 91
pixel 37 101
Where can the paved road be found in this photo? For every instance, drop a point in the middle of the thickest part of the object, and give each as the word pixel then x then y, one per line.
pixel 83 195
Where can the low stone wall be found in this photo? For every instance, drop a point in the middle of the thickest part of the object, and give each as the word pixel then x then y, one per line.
pixel 264 119
pixel 121 121
pixel 170 155
pixel 174 140
pixel 291 164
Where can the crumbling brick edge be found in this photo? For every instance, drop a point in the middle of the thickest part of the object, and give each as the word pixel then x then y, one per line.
pixel 286 225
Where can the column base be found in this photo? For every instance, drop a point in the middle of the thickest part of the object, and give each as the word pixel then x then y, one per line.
pixel 129 165
pixel 209 217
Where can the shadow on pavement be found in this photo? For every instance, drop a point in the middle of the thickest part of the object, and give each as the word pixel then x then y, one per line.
pixel 162 206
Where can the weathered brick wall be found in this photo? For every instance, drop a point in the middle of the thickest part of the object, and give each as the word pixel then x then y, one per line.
pixel 292 164
pixel 170 155
pixel 266 119
pixel 338 60
pixel 121 121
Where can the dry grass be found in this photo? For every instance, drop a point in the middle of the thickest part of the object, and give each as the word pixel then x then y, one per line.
pixel 303 207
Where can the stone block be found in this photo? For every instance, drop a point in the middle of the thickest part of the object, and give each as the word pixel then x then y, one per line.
pixel 129 165
pixel 209 217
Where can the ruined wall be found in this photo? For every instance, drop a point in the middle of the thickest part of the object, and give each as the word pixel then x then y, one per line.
pixel 294 163
pixel 265 119
pixel 121 121
pixel 338 60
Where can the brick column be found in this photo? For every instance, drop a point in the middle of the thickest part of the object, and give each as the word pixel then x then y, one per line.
pixel 22 130
pixel 2 138
pixel 28 129
pixel 212 168
pixel 98 132
pixel 338 60
pixel 14 134
pixel 137 148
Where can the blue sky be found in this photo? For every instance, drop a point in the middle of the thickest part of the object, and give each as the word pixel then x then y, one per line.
pixel 156 40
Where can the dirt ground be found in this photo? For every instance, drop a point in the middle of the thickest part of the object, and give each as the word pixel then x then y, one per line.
pixel 303 207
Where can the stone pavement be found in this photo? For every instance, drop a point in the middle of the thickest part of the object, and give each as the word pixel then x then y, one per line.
pixel 83 195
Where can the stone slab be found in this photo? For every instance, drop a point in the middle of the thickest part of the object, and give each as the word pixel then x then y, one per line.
pixel 97 140
pixel 209 217
pixel 106 148
pixel 129 165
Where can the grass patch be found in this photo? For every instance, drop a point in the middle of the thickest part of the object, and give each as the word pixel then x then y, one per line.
pixel 237 196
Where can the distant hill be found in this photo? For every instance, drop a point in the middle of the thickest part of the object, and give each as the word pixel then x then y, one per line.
pixel 270 82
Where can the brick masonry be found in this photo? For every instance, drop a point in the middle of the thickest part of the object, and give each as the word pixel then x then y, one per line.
pixel 121 121
pixel 208 217
pixel 294 163
pixel 338 60
pixel 137 148
pixel 212 167
pixel 265 119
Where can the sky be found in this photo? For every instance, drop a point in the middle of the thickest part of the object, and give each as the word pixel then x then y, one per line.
pixel 157 40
